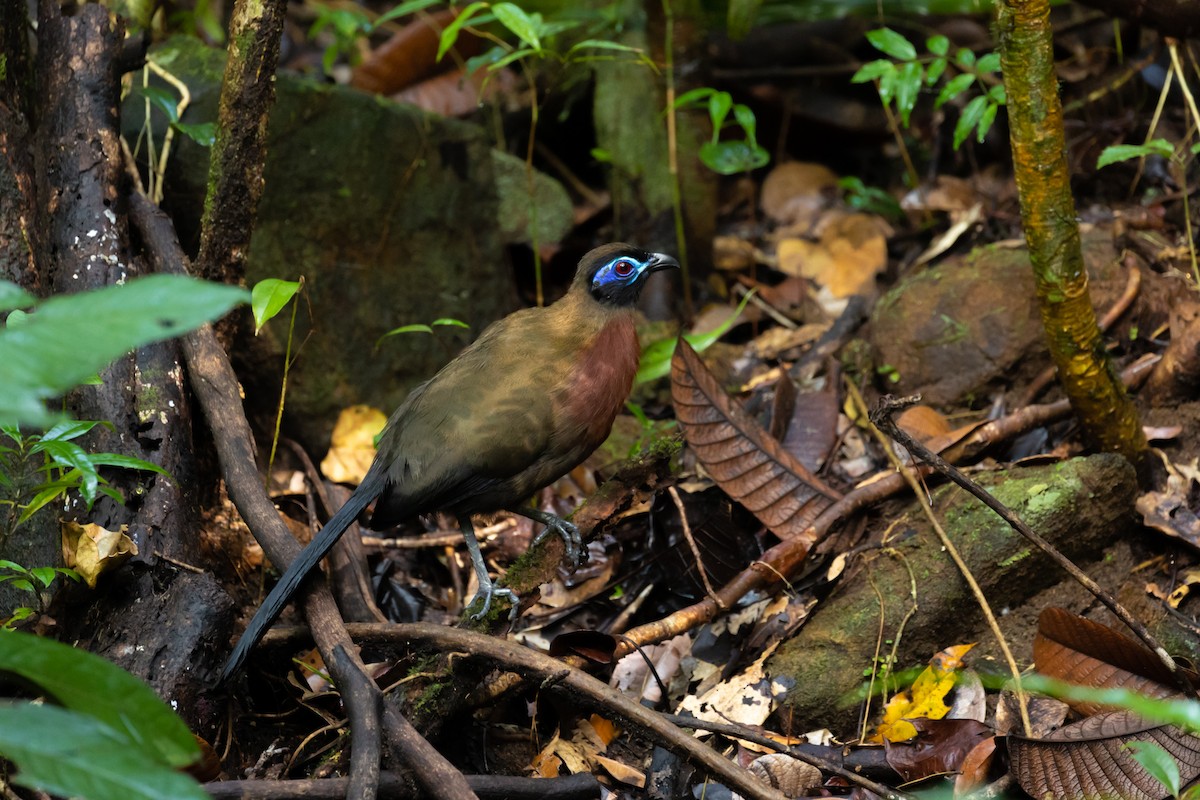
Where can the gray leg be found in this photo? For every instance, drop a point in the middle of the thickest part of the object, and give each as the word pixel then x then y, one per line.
pixel 572 541
pixel 487 589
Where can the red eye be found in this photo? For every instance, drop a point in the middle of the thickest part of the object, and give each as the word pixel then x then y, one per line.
pixel 623 268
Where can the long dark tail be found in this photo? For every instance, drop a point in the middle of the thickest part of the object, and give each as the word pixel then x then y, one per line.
pixel 371 487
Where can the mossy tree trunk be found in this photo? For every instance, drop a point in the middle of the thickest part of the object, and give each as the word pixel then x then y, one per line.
pixel 1108 417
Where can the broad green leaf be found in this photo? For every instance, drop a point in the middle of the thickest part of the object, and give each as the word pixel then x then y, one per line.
pixel 892 43
pixel 745 117
pixel 938 44
pixel 91 685
pixel 159 98
pixel 69 754
pixel 71 337
pixel 985 122
pixel 1158 762
pixel 451 31
pixel 997 94
pixel 525 27
pixel 719 104
pixel 45 575
pixel 403 10
pixel 74 456
pixel 988 63
pixel 13 296
pixel 934 71
pixel 202 133
pixel 887 86
pixel 730 158
pixel 964 58
pixel 70 429
pixel 656 359
pixel 268 297
pixel 972 113
pixel 6 564
pixel 23 584
pixel 127 462
pixel 953 88
pixel 1124 152
pixel 908 87
pixel 45 495
pixel 695 96
pixel 872 70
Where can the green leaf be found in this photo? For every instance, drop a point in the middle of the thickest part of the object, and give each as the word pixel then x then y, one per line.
pixel 938 44
pixel 964 58
pixel 892 43
pixel 127 462
pixel 71 337
pixel 603 44
pixel 985 122
pixel 908 88
pixel 719 104
pixel 45 575
pixel 202 133
pixel 887 86
pixel 508 58
pixel 872 70
pixel 1124 152
pixel 730 158
pixel 970 117
pixel 69 754
pixel 13 296
pixel 46 494
pixel 414 328
pixel 695 97
pixel 953 88
pixel 1158 762
pixel 403 10
pixel 745 117
pixel 90 685
pixel 268 298
pixel 159 98
pixel 988 63
pixel 451 31
pixel 656 359
pixel 6 564
pixel 21 583
pixel 457 323
pixel 74 456
pixel 525 27
pixel 70 429
pixel 934 71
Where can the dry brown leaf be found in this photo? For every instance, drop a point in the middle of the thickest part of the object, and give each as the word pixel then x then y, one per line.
pixel 796 192
pixel 92 550
pixel 851 251
pixel 622 772
pixel 1077 650
pixel 789 775
pixel 352 446
pixel 742 458
pixel 1091 758
pixel 411 54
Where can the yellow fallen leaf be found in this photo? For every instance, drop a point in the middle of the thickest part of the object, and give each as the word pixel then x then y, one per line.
pixel 352 445
pixel 91 550
pixel 925 699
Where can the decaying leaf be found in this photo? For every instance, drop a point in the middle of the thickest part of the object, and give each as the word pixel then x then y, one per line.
pixel 352 445
pixel 1077 650
pixel 925 699
pixel 1091 758
pixel 851 251
pixel 91 550
pixel 789 775
pixel 743 459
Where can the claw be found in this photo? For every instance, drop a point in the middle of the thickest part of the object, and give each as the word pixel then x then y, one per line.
pixel 486 593
pixel 572 541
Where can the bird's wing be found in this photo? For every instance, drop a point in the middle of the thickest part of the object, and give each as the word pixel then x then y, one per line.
pixel 485 418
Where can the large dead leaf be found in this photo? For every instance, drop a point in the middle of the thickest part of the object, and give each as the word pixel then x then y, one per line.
pixel 1086 653
pixel 744 460
pixel 1091 759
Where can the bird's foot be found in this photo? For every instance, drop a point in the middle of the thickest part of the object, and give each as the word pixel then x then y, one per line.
pixel 572 540
pixel 486 592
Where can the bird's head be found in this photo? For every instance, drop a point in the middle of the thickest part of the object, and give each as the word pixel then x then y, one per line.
pixel 614 274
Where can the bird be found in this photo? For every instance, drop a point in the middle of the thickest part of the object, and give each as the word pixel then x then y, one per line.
pixel 521 406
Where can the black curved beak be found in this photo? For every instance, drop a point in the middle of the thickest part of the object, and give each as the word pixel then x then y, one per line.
pixel 661 261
